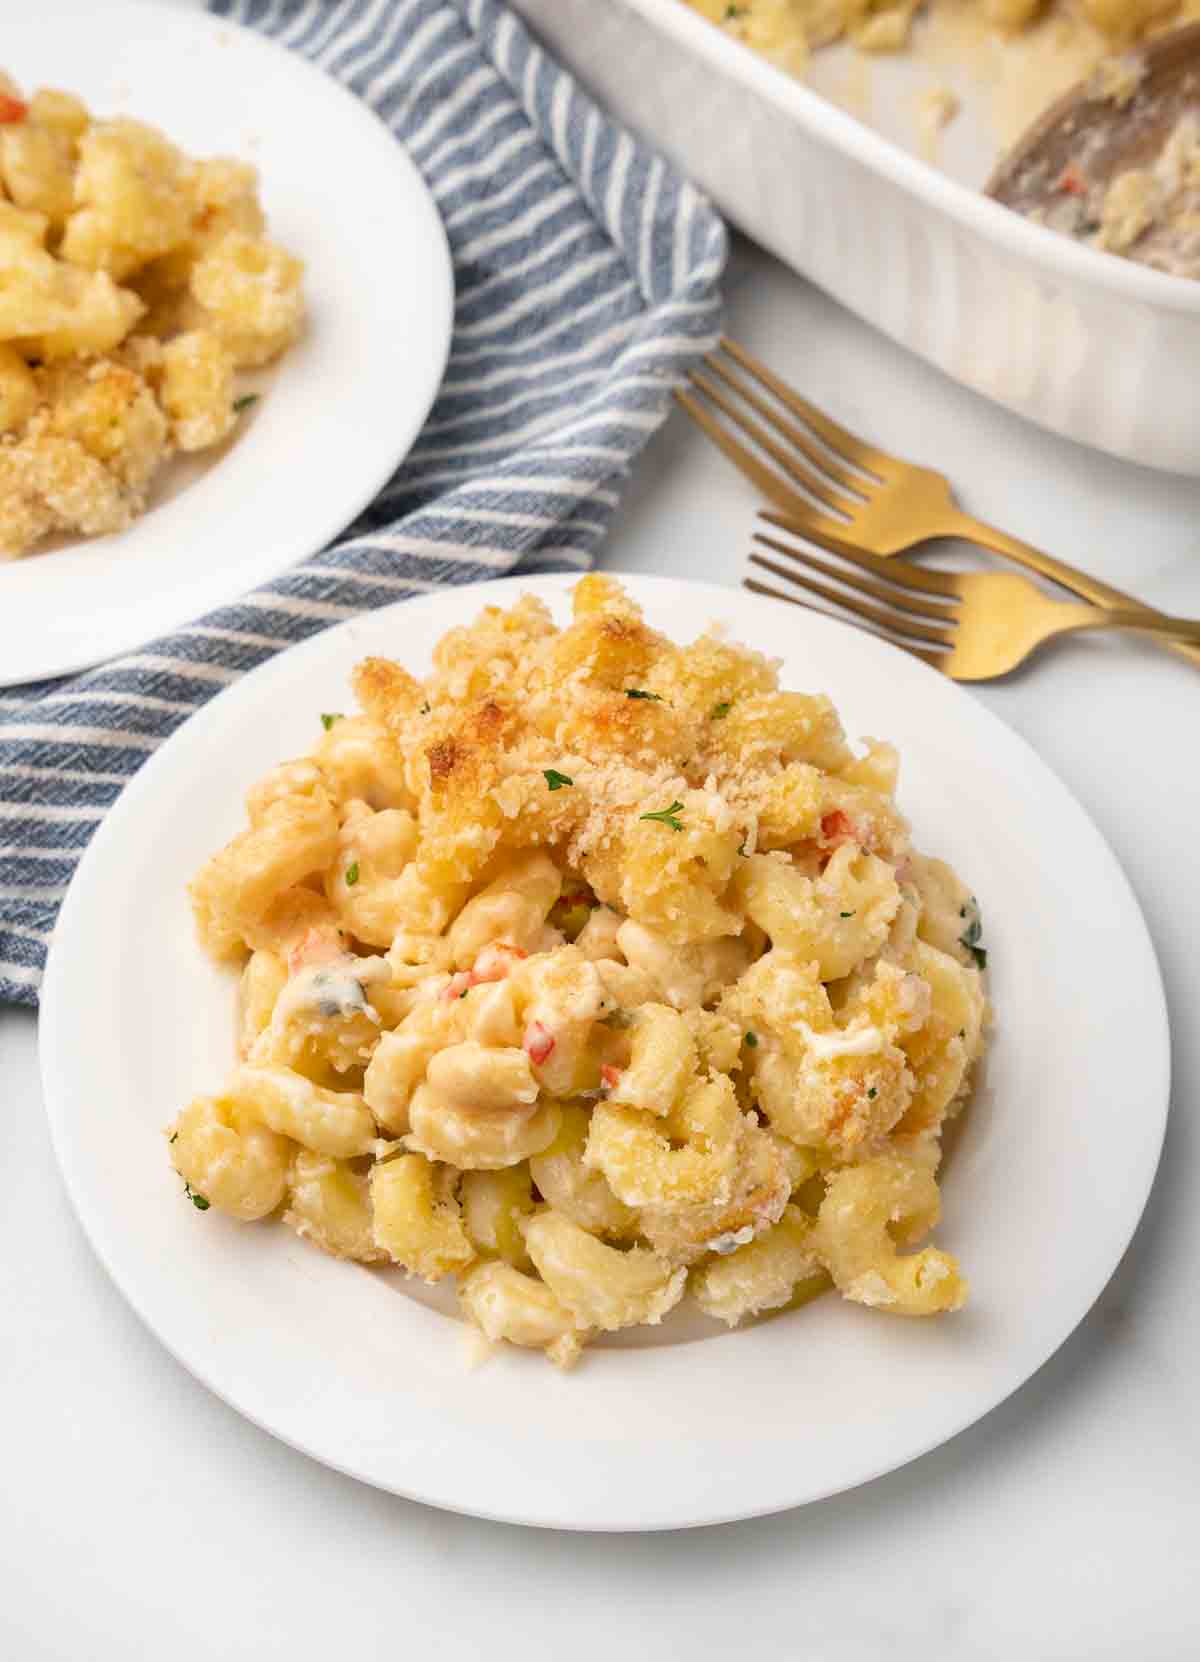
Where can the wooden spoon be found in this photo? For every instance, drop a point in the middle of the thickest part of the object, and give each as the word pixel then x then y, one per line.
pixel 1059 170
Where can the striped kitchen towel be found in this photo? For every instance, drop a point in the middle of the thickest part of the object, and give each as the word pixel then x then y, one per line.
pixel 587 274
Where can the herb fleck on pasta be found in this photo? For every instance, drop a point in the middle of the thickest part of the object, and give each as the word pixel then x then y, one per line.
pixel 667 816
pixel 970 937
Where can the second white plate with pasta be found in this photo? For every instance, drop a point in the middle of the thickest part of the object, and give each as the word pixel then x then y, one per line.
pixel 662 1426
pixel 317 430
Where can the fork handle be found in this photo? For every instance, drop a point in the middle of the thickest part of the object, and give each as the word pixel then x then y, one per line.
pixel 1091 588
pixel 1160 624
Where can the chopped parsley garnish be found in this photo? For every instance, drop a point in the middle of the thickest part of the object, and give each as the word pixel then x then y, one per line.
pixel 636 692
pixel 872 1094
pixel 720 711
pixel 425 708
pixel 329 717
pixel 970 935
pixel 244 403
pixel 667 816
pixel 845 914
pixel 555 779
pixel 464 992
pixel 732 12
pixel 174 1137
pixel 752 1040
pixel 352 875
pixel 198 1201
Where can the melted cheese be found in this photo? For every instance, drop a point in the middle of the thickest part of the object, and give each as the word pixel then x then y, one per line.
pixel 867 1041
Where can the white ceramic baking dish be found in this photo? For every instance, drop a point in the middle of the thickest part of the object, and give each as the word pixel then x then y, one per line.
pixel 1094 347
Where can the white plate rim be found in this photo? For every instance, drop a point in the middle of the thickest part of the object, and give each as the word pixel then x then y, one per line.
pixel 309 532
pixel 55 1043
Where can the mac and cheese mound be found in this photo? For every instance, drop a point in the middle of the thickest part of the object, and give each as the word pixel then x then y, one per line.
pixel 593 971
pixel 134 283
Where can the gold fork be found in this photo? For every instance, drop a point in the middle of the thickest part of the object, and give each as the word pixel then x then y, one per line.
pixel 976 624
pixel 876 502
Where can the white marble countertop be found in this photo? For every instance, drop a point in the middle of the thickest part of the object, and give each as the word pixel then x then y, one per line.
pixel 143 1516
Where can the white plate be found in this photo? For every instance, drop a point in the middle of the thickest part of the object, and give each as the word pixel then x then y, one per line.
pixel 685 1425
pixel 342 407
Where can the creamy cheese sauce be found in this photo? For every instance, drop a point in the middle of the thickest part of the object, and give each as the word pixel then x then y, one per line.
pixel 731 1240
pixel 867 1041
pixel 330 990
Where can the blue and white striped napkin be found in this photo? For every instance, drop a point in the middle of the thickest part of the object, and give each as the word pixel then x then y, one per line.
pixel 587 276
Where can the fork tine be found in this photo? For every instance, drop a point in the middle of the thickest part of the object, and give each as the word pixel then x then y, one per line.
pixel 810 481
pixel 874 462
pixel 903 573
pixel 898 622
pixel 904 599
pixel 820 459
pixel 766 478
pixel 936 660
pixel 797 509
pixel 808 522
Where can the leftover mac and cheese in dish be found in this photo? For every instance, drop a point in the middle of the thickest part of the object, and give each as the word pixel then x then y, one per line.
pixel 788 31
pixel 134 283
pixel 1011 60
pixel 592 971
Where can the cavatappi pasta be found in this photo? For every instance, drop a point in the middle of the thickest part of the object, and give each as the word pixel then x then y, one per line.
pixel 593 971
